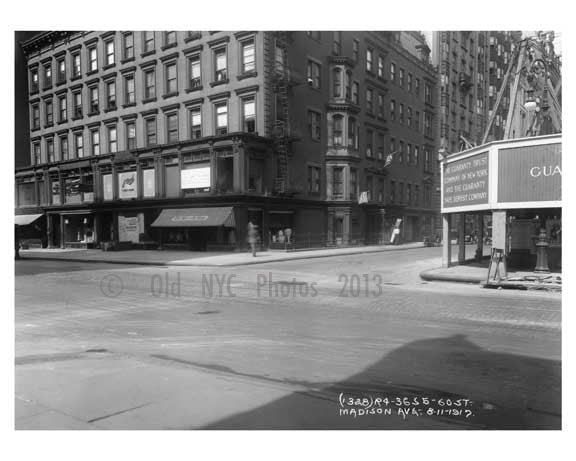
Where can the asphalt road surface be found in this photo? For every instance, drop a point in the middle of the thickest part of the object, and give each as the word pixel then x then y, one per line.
pixel 350 342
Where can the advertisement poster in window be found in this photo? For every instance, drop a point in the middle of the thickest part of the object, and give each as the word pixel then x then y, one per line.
pixel 149 183
pixel 127 185
pixel 56 192
pixel 197 177
pixel 128 229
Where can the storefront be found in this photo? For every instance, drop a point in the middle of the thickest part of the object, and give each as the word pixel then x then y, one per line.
pixel 519 183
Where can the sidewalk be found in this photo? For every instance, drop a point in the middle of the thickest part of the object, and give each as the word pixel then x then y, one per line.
pixel 477 273
pixel 190 258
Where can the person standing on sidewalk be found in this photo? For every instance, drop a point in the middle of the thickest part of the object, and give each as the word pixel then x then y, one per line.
pixel 252 237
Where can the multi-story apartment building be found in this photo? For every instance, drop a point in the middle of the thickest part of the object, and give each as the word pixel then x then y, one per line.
pixel 471 67
pixel 182 138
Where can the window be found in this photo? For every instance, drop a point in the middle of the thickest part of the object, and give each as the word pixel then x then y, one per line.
pixel 61 76
pixel 337 44
pixel 77 98
pixel 409 193
pixel 380 105
pixel 380 67
pixel 112 139
pixel 221 110
pixel 248 57
pixel 249 115
pixel 130 135
pixel 172 128
pixel 353 184
pixel 62 108
pixel 49 110
pixel 170 38
pixel 392 72
pixel 338 182
pixel 416 155
pixel 36 153
pixel 221 65
pixel 64 147
pixel 409 117
pixel 94 100
pixel 392 109
pixel 50 150
pixel 79 144
pixel 148 42
pixel 95 141
pixel 428 93
pixel 369 142
pixel 129 96
pixel 149 84
pixel 355 92
pixel 279 59
pixel 392 145
pixel 409 82
pixel 348 85
pixel 338 130
pixel 369 186
pixel 401 193
pixel 337 81
pixel 408 154
pixel 195 123
pixel 417 121
pixel 314 125
pixel 352 133
pixel 150 126
pixel 111 95
pixel 34 80
pixel 416 196
pixel 369 60
pixel 392 191
pixel 355 50
pixel 109 45
pixel 314 174
pixel 194 72
pixel 401 77
pixel 128 38
pixel 401 114
pixel 417 87
pixel 401 151
pixel 76 65
pixel 380 146
pixel 369 100
pixel 427 125
pixel 47 75
pixel 171 79
pixel 313 74
pixel 380 190
pixel 92 59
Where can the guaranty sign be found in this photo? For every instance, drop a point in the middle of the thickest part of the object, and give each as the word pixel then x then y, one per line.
pixel 466 181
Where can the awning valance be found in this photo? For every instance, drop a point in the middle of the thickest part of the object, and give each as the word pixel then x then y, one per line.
pixel 25 219
pixel 196 217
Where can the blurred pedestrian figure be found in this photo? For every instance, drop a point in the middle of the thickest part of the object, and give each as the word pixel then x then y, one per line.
pixel 16 243
pixel 252 237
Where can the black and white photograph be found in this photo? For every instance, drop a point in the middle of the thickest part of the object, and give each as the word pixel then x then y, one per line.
pixel 279 229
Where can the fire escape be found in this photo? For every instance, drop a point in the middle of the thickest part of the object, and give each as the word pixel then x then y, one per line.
pixel 281 130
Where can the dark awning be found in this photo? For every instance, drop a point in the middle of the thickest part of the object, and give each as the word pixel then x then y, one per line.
pixel 196 217
pixel 25 219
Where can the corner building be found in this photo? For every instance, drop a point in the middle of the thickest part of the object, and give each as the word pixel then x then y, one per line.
pixel 180 138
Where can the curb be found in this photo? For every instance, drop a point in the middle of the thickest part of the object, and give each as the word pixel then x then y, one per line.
pixel 192 264
pixel 432 277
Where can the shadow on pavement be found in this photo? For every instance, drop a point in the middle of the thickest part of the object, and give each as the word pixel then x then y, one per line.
pixel 505 391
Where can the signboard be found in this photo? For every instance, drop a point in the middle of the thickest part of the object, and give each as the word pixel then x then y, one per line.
pixel 197 177
pixel 149 183
pixel 466 181
pixel 107 187
pixel 363 197
pixel 530 173
pixel 129 228
pixel 127 184
pixel 55 192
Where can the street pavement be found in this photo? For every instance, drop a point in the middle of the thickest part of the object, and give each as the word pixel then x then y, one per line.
pixel 342 342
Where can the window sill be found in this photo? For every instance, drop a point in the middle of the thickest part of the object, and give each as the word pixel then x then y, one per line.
pixel 110 109
pixel 91 114
pixel 90 72
pixel 169 95
pixel 126 60
pixel 196 88
pixel 49 125
pixel 46 88
pixel 76 77
pixel 221 82
pixel 78 117
pixel 147 53
pixel 192 37
pixel 246 75
pixel 33 92
pixel 168 46
pixel 62 122
pixel 146 101
pixel 129 104
pixel 35 128
pixel 108 66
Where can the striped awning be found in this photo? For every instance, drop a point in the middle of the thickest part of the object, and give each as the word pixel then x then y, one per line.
pixel 25 219
pixel 196 217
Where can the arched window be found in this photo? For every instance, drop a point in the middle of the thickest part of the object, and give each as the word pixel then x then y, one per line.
pixel 337 83
pixel 337 132
pixel 348 85
pixel 352 133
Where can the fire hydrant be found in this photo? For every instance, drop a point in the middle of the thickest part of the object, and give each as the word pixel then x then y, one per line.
pixel 542 245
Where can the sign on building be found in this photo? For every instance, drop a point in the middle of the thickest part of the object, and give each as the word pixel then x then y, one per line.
pixel 127 185
pixel 149 183
pixel 197 177
pixel 466 181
